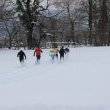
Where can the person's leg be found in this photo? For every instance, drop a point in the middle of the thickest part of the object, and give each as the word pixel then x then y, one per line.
pixel 52 57
pixel 38 58
pixel 21 59
pixel 57 56
pixel 61 57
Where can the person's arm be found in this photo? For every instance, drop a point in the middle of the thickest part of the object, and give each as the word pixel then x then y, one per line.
pixel 18 54
pixel 64 51
pixel 34 52
pixel 59 51
pixel 41 50
pixel 25 56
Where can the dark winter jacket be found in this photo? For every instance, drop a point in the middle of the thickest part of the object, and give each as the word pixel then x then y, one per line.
pixel 62 52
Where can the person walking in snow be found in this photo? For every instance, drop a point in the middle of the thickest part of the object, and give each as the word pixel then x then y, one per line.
pixel 52 54
pixel 37 53
pixel 56 52
pixel 67 50
pixel 62 52
pixel 21 56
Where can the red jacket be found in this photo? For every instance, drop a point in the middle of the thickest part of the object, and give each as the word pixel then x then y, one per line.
pixel 38 52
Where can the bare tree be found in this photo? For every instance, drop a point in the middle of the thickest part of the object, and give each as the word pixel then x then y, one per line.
pixel 71 12
pixel 8 20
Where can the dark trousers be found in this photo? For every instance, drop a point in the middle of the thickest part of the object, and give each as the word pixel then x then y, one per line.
pixel 38 57
pixel 61 56
pixel 56 56
pixel 21 59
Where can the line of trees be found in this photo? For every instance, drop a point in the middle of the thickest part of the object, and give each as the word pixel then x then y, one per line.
pixel 30 23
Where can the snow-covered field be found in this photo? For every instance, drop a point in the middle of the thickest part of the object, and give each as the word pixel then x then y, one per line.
pixel 80 82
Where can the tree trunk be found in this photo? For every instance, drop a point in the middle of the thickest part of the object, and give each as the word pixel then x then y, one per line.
pixel 90 21
pixel 108 41
pixel 10 42
pixel 30 39
pixel 103 22
pixel 72 31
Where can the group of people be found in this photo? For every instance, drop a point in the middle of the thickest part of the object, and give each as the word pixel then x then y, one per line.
pixel 53 53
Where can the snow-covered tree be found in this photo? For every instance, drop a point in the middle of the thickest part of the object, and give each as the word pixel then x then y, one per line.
pixel 29 12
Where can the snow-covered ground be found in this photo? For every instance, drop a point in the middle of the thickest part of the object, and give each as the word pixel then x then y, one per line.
pixel 80 82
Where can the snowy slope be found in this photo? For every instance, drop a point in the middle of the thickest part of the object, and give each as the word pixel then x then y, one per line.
pixel 80 82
